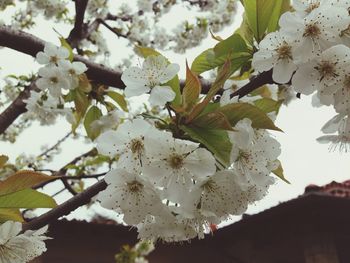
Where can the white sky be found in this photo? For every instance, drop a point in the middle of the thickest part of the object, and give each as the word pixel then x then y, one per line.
pixel 304 160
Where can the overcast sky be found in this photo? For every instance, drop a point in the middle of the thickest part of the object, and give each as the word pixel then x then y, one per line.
pixel 304 160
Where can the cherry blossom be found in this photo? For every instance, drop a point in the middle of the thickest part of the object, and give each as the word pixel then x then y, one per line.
pixel 276 51
pixel 130 194
pixel 319 30
pixel 17 247
pixel 72 70
pixel 155 71
pixel 323 72
pixel 339 124
pixel 54 79
pixel 52 55
pixel 174 163
pixel 127 142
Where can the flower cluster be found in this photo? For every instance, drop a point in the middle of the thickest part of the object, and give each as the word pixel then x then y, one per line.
pixel 172 189
pixel 311 52
pixel 20 248
pixel 57 75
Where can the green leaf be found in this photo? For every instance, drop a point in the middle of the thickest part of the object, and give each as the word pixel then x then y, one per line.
pixel 207 61
pixel 281 6
pixel 22 180
pixel 94 113
pixel 119 99
pixel 3 160
pixel 81 102
pixel 231 45
pixel 262 14
pixel 245 31
pixel 219 82
pixel 84 84
pixel 279 173
pixel 10 215
pixel 213 120
pixel 217 141
pixel 238 111
pixel 27 198
pixel 268 105
pixel 191 91
pixel 146 51
pixel 65 44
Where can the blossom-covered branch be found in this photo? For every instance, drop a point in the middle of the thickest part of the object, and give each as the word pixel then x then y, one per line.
pixel 31 45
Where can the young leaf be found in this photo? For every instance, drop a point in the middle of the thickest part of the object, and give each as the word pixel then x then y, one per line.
pixel 259 14
pixel 279 172
pixel 22 180
pixel 146 51
pixel 65 44
pixel 94 113
pixel 7 214
pixel 191 91
pixel 213 120
pixel 84 83
pixel 281 6
pixel 219 82
pixel 3 160
pixel 81 102
pixel 268 105
pixel 207 61
pixel 119 99
pixel 233 44
pixel 217 141
pixel 238 111
pixel 27 198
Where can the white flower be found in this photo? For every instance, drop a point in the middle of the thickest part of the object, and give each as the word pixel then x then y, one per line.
pixel 154 72
pixel 107 122
pixel 174 164
pixel 316 32
pixel 254 158
pixel 132 195
pixel 72 70
pixel 20 248
pixel 276 51
pixel 341 125
pixel 155 228
pixel 305 7
pixel 127 142
pixel 52 55
pixel 323 72
pixel 53 79
pixel 43 108
pixel 222 196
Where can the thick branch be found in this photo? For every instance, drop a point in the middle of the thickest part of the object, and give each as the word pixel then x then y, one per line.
pixel 31 45
pixel 16 108
pixel 77 33
pixel 67 207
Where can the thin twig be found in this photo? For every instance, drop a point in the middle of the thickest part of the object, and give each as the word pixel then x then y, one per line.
pixel 56 145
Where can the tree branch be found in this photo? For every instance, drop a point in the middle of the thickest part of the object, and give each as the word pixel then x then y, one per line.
pixel 255 83
pixel 77 33
pixel 66 207
pixel 16 108
pixel 31 45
